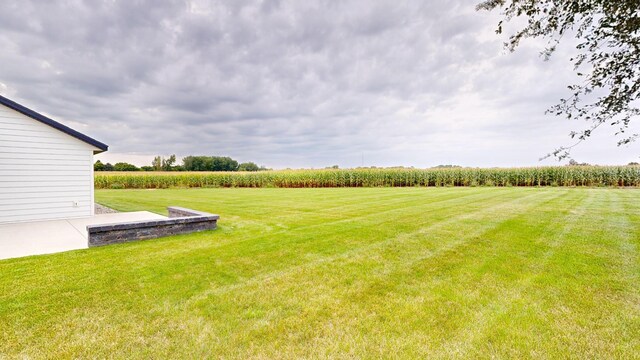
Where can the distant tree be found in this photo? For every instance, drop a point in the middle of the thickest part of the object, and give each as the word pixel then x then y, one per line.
pixel 209 163
pixel 168 163
pixel 248 166
pixel 446 166
pixel 123 166
pixel 98 166
pixel 108 167
pixel 224 163
pixel 159 163
pixel 333 167
pixel 197 163
pixel 633 163
pixel 572 162
pixel 156 164
pixel 608 57
pixel 146 168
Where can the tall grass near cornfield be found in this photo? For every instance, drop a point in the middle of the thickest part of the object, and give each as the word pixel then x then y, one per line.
pixel 533 176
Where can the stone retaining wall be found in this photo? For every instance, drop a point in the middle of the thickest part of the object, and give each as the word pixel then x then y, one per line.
pixel 176 211
pixel 180 221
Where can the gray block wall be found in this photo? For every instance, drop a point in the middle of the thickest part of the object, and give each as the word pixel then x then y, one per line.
pixel 180 221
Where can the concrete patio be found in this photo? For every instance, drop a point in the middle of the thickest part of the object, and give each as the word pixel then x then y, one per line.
pixel 46 237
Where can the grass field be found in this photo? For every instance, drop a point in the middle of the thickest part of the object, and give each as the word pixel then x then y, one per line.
pixel 344 273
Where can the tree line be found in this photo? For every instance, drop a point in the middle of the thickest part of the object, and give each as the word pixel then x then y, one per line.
pixel 189 163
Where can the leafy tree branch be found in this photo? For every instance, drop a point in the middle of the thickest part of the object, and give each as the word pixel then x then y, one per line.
pixel 608 58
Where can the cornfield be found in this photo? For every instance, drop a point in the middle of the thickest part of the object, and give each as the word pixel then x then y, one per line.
pixel 392 177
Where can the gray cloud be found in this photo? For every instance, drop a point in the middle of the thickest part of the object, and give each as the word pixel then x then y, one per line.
pixel 290 83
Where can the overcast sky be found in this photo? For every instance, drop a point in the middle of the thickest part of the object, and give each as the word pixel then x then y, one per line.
pixel 292 83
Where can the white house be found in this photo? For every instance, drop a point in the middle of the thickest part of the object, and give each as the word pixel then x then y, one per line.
pixel 46 168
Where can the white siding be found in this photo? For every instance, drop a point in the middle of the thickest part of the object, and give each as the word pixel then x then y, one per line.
pixel 43 171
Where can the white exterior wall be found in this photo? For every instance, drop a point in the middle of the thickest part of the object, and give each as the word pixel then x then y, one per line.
pixel 45 174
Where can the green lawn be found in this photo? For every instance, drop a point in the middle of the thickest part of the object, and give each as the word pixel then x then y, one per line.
pixel 344 273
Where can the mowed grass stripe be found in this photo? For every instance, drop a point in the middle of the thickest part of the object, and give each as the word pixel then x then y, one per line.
pixel 447 273
pixel 371 250
pixel 270 238
pixel 595 270
pixel 520 260
pixel 278 250
pixel 182 323
pixel 367 268
pixel 552 302
pixel 158 244
pixel 157 273
pixel 629 250
pixel 316 241
pixel 107 269
pixel 285 202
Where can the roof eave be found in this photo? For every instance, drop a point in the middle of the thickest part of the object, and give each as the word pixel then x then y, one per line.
pixel 102 147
